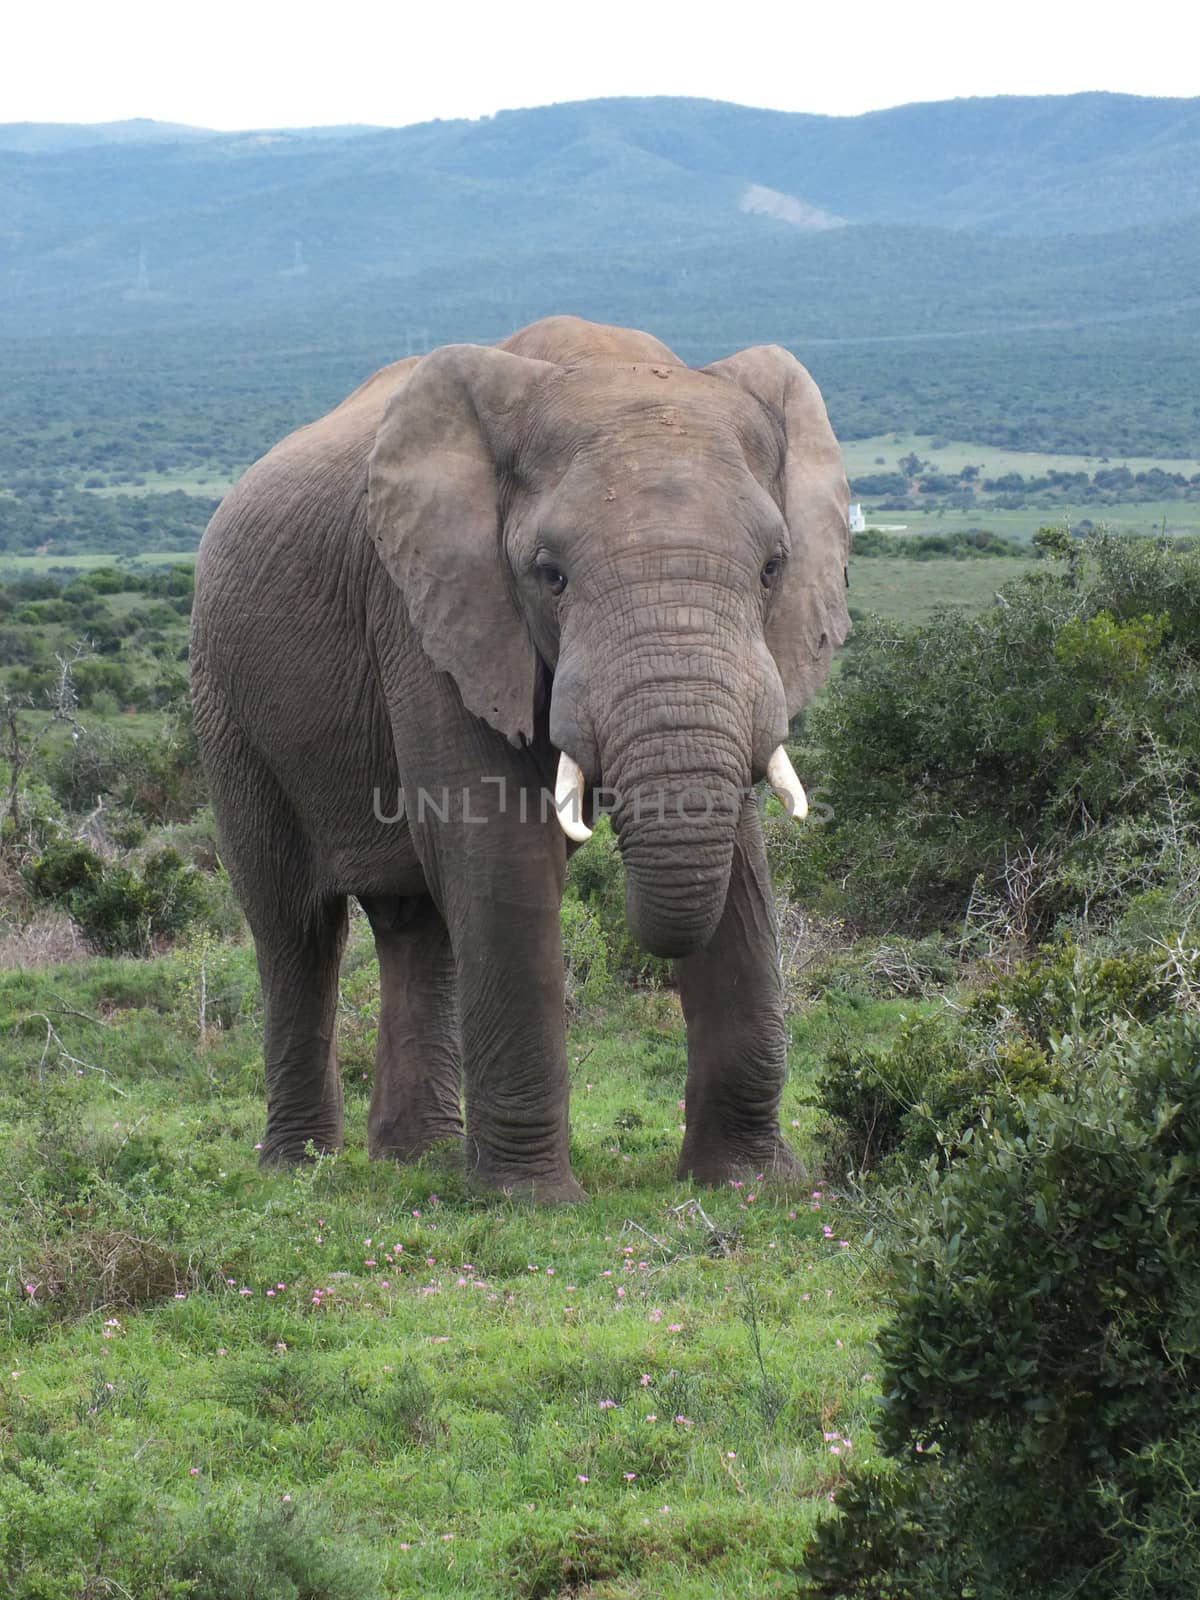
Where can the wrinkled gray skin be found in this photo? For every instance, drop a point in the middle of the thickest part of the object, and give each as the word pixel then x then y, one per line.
pixel 376 607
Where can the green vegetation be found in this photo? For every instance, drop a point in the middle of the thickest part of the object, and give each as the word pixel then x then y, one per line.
pixel 433 1394
pixel 1034 752
pixel 975 544
pixel 1039 1366
pixel 886 450
pixel 1147 519
pixel 917 484
pixel 962 1353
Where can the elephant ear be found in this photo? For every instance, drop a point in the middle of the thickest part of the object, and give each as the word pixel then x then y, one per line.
pixel 808 618
pixel 434 484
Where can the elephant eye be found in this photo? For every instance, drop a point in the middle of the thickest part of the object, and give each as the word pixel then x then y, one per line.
pixel 553 577
pixel 771 571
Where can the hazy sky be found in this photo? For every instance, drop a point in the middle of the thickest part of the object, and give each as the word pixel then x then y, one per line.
pixel 259 63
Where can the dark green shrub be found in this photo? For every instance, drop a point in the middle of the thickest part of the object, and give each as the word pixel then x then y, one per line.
pixel 914 1097
pixel 121 909
pixel 158 779
pixel 896 1104
pixel 1041 1363
pixel 65 869
pixel 970 544
pixel 104 676
pixel 1060 727
pixel 1066 990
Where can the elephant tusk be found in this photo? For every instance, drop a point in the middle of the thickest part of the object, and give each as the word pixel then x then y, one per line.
pixel 781 775
pixel 568 799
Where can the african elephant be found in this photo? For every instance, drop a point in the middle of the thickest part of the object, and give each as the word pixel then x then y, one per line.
pixel 565 563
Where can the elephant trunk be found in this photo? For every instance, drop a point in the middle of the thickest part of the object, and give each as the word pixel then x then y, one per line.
pixel 670 724
pixel 676 831
pixel 676 764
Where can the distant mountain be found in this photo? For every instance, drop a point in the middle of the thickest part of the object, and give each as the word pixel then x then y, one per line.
pixel 1028 266
pixel 39 138
pixel 189 220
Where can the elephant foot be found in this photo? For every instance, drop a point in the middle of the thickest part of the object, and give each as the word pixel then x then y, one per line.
pixel 716 1163
pixel 290 1149
pixel 548 1189
pixel 406 1143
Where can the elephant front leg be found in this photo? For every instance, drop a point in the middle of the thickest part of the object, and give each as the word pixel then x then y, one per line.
pixel 732 999
pixel 418 1058
pixel 500 891
pixel 511 985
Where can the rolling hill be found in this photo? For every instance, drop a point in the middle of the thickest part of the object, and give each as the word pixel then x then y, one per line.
pixel 1023 271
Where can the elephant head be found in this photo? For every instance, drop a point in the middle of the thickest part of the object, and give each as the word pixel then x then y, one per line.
pixel 661 549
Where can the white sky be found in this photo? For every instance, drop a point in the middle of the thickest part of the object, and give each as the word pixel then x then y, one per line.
pixel 260 63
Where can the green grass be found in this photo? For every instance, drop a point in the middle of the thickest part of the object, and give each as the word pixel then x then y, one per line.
pixel 894 587
pixel 13 565
pixel 419 1371
pixel 909 590
pixel 861 456
pixel 1180 517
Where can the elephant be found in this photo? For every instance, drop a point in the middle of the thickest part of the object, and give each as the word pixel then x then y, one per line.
pixel 565 565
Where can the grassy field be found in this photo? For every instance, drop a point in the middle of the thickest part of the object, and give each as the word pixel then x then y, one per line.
pixel 863 456
pixel 909 590
pixel 377 1374
pixel 893 587
pixel 1178 517
pixel 13 566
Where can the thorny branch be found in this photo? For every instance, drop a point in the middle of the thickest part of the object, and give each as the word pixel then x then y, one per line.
pixel 52 1037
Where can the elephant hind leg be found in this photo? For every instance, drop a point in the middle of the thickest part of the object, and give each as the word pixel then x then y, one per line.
pixel 299 970
pixel 418 1064
pixel 298 933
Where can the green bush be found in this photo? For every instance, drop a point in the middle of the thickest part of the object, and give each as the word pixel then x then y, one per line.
pixel 275 1551
pixel 585 955
pixel 1041 1363
pixel 896 1104
pixel 971 544
pixel 1060 728
pixel 104 676
pixel 39 821
pixel 158 779
pixel 61 1539
pixel 1066 990
pixel 64 870
pixel 120 909
pixel 802 859
pixel 890 1105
